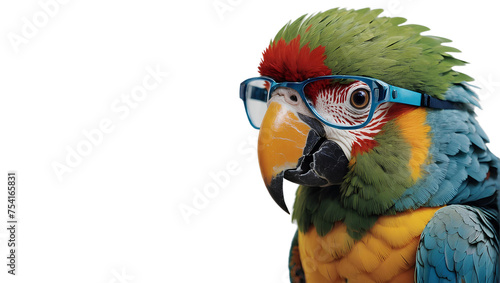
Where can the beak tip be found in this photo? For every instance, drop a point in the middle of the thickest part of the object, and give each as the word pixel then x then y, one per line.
pixel 285 209
pixel 275 189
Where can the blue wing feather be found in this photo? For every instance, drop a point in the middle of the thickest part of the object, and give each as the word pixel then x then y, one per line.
pixel 462 93
pixel 459 244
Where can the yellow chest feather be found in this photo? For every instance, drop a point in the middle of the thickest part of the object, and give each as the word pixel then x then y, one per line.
pixel 385 254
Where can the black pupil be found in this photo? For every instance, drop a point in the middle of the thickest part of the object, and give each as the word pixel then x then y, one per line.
pixel 359 98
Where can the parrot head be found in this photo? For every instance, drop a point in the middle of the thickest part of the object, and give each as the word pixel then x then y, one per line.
pixel 295 145
pixel 340 95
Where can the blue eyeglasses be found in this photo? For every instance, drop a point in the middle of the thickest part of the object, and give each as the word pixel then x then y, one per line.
pixel 256 92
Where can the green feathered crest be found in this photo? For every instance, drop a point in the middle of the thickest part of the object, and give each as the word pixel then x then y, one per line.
pixel 358 42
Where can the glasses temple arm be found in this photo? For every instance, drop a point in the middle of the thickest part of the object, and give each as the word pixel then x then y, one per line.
pixel 242 91
pixel 405 96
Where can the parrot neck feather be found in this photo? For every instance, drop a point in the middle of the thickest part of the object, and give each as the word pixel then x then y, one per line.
pixel 375 180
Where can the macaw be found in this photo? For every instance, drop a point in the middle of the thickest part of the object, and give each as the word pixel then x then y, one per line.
pixel 368 117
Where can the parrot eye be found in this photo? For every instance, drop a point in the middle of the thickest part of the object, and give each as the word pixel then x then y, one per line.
pixel 360 98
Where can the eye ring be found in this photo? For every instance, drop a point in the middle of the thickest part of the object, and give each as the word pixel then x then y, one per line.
pixel 360 98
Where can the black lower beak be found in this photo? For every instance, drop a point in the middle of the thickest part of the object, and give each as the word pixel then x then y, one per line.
pixel 322 164
pixel 325 164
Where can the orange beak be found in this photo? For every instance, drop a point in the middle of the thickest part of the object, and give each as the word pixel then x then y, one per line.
pixel 282 139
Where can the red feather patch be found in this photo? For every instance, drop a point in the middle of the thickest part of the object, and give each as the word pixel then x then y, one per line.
pixel 363 146
pixel 289 62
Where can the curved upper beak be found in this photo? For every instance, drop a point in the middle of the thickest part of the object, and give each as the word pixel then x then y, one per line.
pixel 282 138
pixel 292 145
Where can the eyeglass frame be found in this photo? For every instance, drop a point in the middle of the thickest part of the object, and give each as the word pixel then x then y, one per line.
pixel 380 92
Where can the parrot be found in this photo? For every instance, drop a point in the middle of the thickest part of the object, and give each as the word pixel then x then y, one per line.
pixel 367 115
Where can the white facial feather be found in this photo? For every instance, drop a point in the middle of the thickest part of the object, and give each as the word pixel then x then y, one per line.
pixel 334 105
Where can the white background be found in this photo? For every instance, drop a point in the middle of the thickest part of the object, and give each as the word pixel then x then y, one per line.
pixel 116 216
